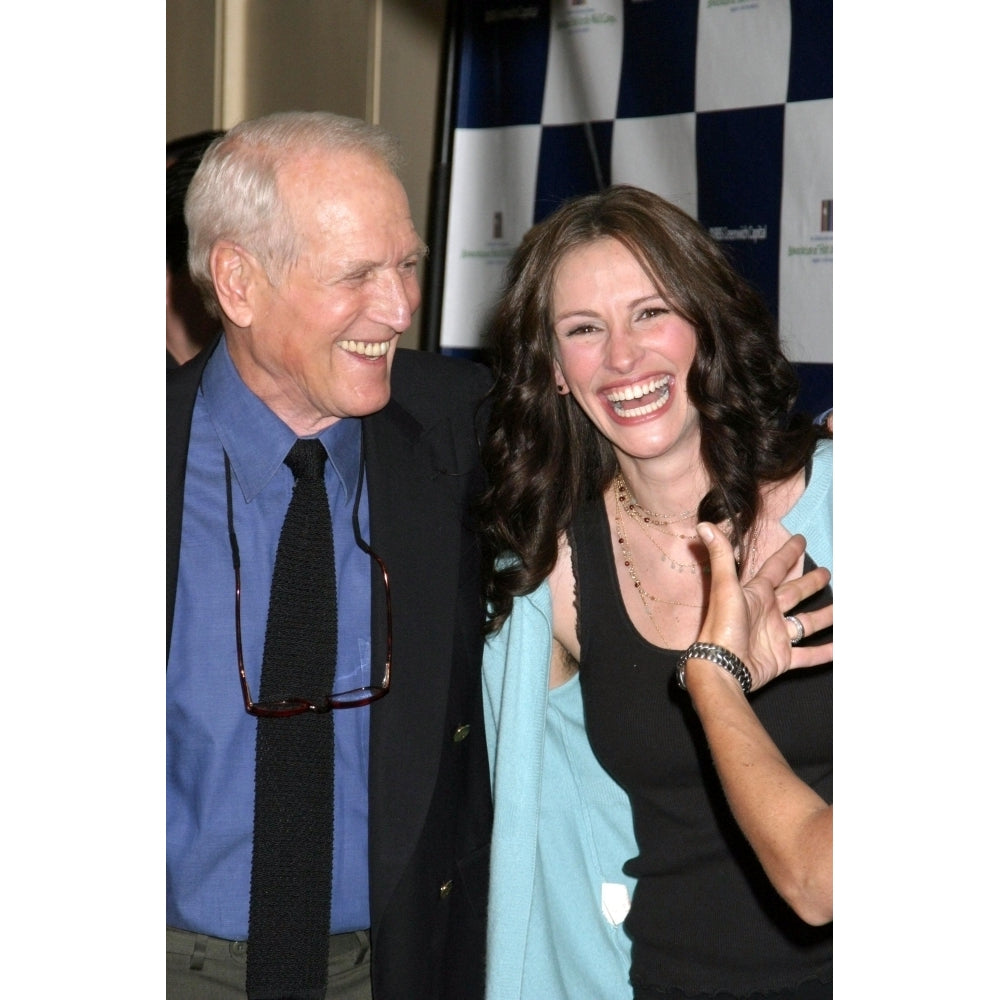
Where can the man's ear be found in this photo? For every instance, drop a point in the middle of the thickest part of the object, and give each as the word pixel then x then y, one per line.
pixel 234 272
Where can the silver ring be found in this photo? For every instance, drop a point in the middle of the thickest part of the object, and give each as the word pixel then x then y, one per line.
pixel 800 629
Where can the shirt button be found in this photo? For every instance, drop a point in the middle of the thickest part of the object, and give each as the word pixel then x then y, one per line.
pixel 460 733
pixel 445 889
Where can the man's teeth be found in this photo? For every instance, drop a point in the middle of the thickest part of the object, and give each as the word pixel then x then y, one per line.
pixel 620 396
pixel 366 348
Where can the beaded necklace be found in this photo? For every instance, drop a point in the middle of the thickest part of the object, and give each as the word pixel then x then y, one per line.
pixel 680 567
pixel 636 511
pixel 644 595
pixel 647 519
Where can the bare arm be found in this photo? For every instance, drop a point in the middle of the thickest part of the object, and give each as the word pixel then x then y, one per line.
pixel 787 824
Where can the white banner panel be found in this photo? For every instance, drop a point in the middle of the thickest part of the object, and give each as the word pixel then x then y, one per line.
pixel 585 60
pixel 658 154
pixel 491 209
pixel 742 53
pixel 806 270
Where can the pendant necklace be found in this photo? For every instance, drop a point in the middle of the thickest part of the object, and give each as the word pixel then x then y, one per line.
pixel 645 519
pixel 644 595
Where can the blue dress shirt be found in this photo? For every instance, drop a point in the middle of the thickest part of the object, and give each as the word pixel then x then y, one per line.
pixel 210 738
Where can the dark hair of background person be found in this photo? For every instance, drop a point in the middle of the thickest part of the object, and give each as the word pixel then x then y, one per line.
pixel 189 325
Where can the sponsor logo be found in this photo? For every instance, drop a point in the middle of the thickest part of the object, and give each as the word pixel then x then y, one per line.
pixel 820 246
pixel 571 21
pixel 494 249
pixel 495 14
pixel 814 250
pixel 820 251
pixel 752 233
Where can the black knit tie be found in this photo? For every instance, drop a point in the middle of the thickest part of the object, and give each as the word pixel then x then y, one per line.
pixel 290 883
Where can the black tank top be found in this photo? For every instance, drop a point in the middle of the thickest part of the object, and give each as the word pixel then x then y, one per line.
pixel 704 916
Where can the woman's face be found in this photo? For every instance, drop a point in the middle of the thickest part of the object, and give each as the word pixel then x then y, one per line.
pixel 623 352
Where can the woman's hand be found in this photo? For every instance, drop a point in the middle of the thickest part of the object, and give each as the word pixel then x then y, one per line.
pixel 749 619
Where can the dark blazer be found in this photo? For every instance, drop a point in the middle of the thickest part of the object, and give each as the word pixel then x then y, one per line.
pixel 430 809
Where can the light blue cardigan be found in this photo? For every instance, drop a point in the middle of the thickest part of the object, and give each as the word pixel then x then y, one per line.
pixel 562 828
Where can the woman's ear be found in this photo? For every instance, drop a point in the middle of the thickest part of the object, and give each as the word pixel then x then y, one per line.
pixel 561 386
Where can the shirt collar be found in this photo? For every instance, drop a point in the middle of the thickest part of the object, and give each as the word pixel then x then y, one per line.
pixel 257 440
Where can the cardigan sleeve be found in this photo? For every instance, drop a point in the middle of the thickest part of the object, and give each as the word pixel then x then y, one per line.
pixel 812 515
pixel 562 829
pixel 515 690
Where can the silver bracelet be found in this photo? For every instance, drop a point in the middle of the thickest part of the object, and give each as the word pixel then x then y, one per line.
pixel 718 655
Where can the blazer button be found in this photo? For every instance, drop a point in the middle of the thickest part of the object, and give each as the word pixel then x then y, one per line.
pixel 445 890
pixel 460 733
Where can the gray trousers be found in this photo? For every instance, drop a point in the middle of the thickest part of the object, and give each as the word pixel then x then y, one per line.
pixel 207 968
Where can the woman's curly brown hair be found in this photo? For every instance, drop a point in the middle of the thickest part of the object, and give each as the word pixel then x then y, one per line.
pixel 544 456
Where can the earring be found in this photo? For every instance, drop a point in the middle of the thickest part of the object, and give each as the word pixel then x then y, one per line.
pixel 561 388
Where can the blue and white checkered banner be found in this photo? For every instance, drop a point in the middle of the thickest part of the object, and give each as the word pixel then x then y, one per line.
pixel 723 107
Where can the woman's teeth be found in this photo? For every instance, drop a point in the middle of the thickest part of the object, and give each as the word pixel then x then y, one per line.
pixel 619 397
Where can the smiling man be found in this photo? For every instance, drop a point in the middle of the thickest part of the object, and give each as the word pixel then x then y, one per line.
pixel 302 243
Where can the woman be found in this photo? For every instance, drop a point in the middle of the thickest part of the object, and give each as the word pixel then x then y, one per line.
pixel 641 389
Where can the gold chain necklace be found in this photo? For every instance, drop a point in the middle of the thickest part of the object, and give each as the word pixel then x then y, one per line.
pixel 645 519
pixel 680 567
pixel 751 550
pixel 629 562
pixel 662 530
pixel 639 513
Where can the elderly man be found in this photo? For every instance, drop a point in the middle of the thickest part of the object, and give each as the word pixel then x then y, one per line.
pixel 327 833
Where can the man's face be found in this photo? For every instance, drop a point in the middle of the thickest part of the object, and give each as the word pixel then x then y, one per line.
pixel 319 345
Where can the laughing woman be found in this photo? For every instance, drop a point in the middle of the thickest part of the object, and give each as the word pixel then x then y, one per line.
pixel 641 389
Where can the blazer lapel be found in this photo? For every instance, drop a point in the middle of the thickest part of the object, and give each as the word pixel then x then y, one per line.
pixel 414 497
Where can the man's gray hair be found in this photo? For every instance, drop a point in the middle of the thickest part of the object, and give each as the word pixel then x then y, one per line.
pixel 234 194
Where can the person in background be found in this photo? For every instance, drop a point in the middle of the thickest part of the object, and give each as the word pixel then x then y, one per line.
pixel 640 390
pixel 302 243
pixel 196 143
pixel 190 326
